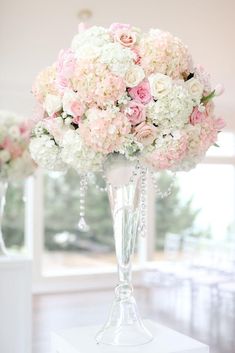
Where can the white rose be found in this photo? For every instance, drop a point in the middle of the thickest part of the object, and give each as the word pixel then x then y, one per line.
pixel 69 96
pixel 4 156
pixel 52 104
pixel 134 76
pixel 160 85
pixel 14 132
pixel 195 89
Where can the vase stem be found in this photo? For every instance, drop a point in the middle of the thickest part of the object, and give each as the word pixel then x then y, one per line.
pixel 124 326
pixel 3 189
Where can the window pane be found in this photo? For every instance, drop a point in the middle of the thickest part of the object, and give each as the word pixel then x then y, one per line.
pixel 14 215
pixel 201 208
pixel 66 249
pixel 226 143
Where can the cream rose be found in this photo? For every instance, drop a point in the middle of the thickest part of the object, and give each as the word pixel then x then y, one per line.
pixel 52 104
pixel 72 105
pixel 145 133
pixel 134 76
pixel 125 37
pixel 195 89
pixel 160 85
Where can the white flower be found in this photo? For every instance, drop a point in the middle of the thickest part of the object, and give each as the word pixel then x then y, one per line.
pixel 52 104
pixel 195 89
pixel 118 58
pixel 171 111
pixel 14 132
pixel 91 37
pixel 77 155
pixel 4 156
pixel 134 76
pixel 46 153
pixel 160 85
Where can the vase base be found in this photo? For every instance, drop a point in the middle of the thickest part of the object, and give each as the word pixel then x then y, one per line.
pixel 124 326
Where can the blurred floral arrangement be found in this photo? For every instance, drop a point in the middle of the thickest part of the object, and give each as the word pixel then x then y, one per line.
pixel 121 90
pixel 15 159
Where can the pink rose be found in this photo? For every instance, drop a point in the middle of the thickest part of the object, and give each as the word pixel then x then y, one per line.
pixel 77 109
pixel 65 64
pixel 197 117
pixel 141 93
pixel 219 90
pixel 13 148
pixel 219 124
pixel 135 112
pixel 125 37
pixel 210 108
pixel 137 56
pixel 119 26
pixel 145 133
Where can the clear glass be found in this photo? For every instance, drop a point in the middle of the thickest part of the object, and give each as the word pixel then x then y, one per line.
pixel 3 189
pixel 124 326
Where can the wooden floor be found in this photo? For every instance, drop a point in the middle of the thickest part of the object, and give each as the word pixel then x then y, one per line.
pixel 173 307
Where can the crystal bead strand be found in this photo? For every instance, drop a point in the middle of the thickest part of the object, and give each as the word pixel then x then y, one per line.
pixel 143 201
pixel 82 224
pixel 159 192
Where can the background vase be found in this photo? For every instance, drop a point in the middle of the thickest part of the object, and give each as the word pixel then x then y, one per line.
pixel 3 190
pixel 124 326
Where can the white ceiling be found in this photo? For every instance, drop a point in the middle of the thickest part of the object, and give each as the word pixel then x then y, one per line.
pixel 33 31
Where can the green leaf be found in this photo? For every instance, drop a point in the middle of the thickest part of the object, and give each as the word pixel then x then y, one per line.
pixel 207 98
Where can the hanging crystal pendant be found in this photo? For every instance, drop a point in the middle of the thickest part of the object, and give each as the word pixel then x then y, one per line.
pixel 3 189
pixel 82 224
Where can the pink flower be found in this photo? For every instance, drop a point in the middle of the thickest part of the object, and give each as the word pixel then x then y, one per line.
pixel 65 64
pixel 119 26
pixel 219 90
pixel 82 27
pixel 135 112
pixel 197 117
pixel 13 148
pixel 137 56
pixel 77 120
pixel 219 124
pixel 141 93
pixel 125 37
pixel 77 109
pixel 145 133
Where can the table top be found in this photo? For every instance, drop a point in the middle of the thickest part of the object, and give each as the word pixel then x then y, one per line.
pixel 81 340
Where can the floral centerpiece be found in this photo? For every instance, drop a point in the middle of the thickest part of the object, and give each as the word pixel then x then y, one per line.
pixel 121 92
pixel 15 160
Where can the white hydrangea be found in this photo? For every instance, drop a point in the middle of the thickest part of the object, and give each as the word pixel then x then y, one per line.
pixel 173 110
pixel 119 59
pixel 91 37
pixel 77 155
pixel 19 167
pixel 46 153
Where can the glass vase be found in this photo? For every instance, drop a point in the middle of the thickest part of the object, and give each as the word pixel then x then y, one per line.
pixel 124 326
pixel 3 190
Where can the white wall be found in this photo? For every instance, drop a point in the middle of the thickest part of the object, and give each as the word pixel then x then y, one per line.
pixel 32 32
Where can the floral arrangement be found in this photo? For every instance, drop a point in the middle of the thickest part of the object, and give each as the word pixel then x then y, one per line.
pixel 120 90
pixel 15 159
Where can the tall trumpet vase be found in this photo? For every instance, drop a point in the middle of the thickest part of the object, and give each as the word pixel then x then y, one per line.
pixel 124 326
pixel 3 189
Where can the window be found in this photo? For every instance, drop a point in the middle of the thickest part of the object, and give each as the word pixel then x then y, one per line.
pixel 201 208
